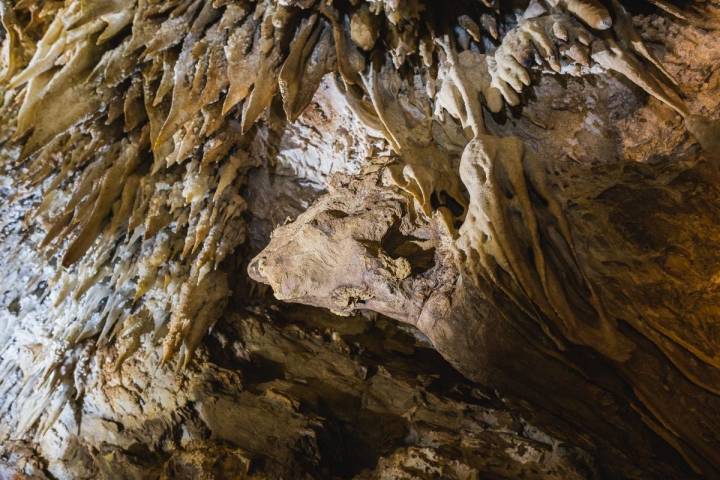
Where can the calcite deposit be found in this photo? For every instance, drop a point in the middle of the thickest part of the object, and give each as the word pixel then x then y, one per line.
pixel 382 239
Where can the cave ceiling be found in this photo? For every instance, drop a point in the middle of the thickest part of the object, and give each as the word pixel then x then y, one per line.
pixel 290 210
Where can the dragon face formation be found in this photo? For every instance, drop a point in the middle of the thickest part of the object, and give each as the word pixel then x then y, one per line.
pixel 485 177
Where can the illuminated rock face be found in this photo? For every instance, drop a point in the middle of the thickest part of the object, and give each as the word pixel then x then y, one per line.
pixel 501 217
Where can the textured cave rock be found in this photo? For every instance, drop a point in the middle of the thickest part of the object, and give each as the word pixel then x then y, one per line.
pixel 359 239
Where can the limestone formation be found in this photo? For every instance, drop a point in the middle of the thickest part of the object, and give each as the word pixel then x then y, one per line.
pixel 525 190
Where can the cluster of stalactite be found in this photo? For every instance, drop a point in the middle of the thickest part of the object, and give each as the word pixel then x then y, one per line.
pixel 138 123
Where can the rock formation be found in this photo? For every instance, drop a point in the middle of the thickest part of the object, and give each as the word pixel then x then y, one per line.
pixel 487 228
